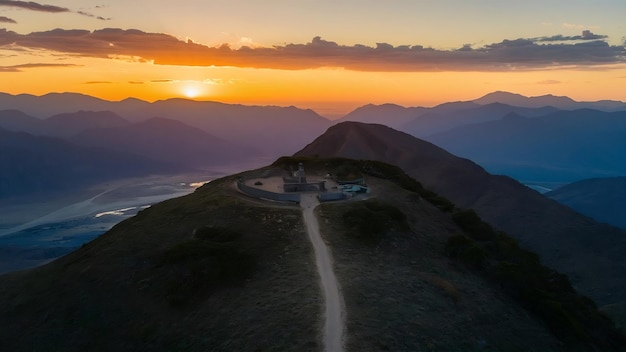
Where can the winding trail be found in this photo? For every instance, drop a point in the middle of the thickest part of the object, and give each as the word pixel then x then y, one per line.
pixel 335 312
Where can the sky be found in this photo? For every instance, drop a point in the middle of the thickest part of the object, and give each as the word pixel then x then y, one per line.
pixel 331 56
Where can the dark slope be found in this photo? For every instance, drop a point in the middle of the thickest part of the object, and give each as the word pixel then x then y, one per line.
pixel 216 270
pixel 562 146
pixel 245 279
pixel 166 140
pixel 603 199
pixel 30 164
pixel 591 254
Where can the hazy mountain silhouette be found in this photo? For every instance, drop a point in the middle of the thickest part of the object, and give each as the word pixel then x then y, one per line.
pixel 44 165
pixel 167 141
pixel 17 121
pixel 599 198
pixel 70 124
pixel 589 252
pixel 275 130
pixel 391 115
pixel 437 121
pixel 61 125
pixel 559 102
pixel 52 103
pixel 561 146
pixel 217 270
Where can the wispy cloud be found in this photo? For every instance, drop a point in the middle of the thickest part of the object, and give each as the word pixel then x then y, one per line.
pixel 518 54
pixel 88 14
pixel 549 81
pixel 6 20
pixel 20 68
pixel 98 82
pixel 33 6
pixel 586 35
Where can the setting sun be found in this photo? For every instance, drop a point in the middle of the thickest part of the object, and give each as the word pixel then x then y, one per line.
pixel 191 92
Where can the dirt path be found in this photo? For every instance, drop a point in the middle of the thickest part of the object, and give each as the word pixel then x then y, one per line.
pixel 335 312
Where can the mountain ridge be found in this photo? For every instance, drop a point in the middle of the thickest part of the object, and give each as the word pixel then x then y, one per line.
pixel 501 201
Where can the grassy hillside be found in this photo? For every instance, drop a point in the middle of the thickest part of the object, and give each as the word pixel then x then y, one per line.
pixel 216 270
pixel 208 271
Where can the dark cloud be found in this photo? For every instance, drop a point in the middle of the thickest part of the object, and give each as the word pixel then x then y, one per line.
pixel 161 81
pixel 586 35
pixel 20 68
pixel 29 5
pixel 87 14
pixel 163 49
pixel 6 20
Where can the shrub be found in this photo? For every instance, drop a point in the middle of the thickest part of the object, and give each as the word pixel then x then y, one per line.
pixel 370 220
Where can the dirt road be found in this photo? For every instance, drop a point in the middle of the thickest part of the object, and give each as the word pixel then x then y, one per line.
pixel 334 312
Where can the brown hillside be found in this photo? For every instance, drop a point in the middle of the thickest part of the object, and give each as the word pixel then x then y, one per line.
pixel 591 254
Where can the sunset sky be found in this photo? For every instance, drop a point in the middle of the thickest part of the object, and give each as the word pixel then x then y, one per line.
pixel 331 56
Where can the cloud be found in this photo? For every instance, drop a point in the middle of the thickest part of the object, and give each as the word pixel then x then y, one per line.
pixel 549 81
pixel 164 49
pixel 29 5
pixel 20 68
pixel 6 20
pixel 98 82
pixel 87 14
pixel 586 35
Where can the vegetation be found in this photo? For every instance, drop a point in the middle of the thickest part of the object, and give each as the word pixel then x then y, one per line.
pixel 546 293
pixel 211 260
pixel 370 220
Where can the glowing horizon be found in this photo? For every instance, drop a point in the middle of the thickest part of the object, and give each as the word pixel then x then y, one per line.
pixel 281 55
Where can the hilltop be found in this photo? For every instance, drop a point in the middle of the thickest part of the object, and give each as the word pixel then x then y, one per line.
pixel 590 253
pixel 220 270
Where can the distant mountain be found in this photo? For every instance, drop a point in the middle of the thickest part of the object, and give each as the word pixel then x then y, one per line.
pixel 603 199
pixel 52 103
pixel 166 140
pixel 17 121
pixel 559 102
pixel 61 125
pixel 391 115
pixel 219 271
pixel 70 124
pixel 438 120
pixel 562 146
pixel 272 129
pixel 589 252
pixel 43 165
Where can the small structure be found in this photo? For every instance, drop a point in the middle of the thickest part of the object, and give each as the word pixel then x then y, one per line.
pixel 298 182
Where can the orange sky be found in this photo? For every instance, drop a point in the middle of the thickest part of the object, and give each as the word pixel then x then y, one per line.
pixel 65 46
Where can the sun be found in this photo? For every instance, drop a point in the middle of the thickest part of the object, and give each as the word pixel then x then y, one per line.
pixel 191 92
